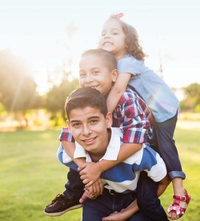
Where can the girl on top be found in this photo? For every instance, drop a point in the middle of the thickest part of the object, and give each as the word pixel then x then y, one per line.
pixel 121 39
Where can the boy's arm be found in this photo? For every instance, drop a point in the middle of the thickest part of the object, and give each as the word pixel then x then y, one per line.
pixel 89 172
pixel 163 185
pixel 69 149
pixel 134 126
pixel 117 91
pixel 68 144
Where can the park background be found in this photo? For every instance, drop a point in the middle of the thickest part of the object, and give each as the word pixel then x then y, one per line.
pixel 40 46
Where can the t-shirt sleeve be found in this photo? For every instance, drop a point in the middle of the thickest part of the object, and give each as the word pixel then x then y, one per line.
pixel 129 65
pixel 153 164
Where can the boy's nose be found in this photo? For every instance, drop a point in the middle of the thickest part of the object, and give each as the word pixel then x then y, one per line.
pixel 88 78
pixel 86 131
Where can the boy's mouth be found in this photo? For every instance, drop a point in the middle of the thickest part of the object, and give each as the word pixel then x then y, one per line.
pixel 89 141
pixel 94 87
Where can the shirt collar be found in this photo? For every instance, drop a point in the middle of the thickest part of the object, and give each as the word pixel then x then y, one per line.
pixel 111 151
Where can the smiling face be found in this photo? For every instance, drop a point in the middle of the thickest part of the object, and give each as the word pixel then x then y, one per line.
pixel 94 73
pixel 89 128
pixel 113 38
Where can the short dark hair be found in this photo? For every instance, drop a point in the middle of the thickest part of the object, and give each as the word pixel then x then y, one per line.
pixel 107 57
pixel 85 97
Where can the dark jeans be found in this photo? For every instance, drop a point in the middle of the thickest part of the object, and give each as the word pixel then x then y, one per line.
pixel 74 187
pixel 148 202
pixel 107 203
pixel 165 146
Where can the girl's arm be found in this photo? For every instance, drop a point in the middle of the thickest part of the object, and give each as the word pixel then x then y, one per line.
pixel 117 91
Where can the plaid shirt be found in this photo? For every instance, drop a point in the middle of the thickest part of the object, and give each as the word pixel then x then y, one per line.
pixel 131 115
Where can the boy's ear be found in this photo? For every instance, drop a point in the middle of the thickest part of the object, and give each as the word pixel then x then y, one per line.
pixel 109 119
pixel 68 124
pixel 114 75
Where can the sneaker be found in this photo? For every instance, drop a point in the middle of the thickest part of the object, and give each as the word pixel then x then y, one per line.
pixel 61 205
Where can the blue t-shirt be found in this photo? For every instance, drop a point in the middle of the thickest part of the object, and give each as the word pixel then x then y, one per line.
pixel 151 87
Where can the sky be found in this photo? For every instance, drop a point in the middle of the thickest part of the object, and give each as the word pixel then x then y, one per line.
pixel 168 29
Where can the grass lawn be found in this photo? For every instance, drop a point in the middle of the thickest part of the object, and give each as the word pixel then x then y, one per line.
pixel 31 175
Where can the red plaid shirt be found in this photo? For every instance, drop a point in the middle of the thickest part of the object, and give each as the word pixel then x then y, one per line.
pixel 131 115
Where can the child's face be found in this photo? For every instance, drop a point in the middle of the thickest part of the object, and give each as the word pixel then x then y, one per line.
pixel 113 38
pixel 89 128
pixel 93 73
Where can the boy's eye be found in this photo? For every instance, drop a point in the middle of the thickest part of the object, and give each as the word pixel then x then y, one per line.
pixel 95 72
pixel 93 121
pixel 81 75
pixel 76 125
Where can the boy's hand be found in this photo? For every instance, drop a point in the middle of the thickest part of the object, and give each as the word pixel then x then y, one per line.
pixel 89 173
pixel 116 216
pixel 124 214
pixel 93 191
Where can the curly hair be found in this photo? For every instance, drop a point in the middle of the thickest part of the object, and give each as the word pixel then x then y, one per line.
pixel 132 39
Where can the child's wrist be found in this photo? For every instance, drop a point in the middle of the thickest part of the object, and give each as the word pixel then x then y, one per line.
pixel 80 161
pixel 99 167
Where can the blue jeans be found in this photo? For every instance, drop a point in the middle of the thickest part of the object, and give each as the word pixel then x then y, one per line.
pixel 74 187
pixel 107 203
pixel 148 202
pixel 165 146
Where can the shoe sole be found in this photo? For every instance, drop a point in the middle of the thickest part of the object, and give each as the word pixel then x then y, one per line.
pixel 64 211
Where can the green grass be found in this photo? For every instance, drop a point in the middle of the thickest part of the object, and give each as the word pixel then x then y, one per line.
pixel 31 175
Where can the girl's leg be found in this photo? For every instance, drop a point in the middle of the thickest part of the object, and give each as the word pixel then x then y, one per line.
pixel 148 201
pixel 165 145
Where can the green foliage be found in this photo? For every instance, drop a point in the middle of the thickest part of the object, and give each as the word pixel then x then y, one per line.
pixel 197 108
pixel 31 176
pixel 55 98
pixel 192 98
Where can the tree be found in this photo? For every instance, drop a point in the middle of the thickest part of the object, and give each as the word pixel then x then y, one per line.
pixel 62 84
pixel 17 88
pixel 56 97
pixel 192 97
